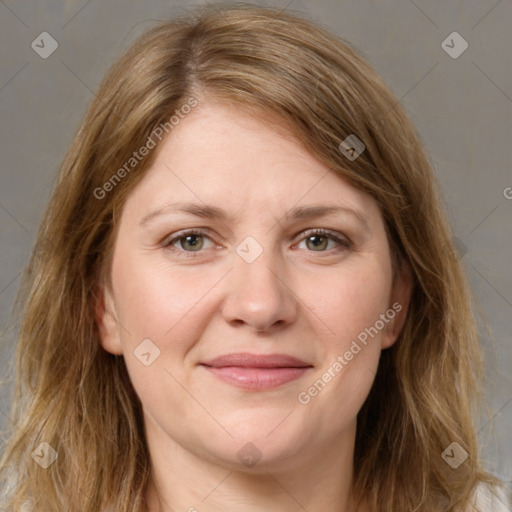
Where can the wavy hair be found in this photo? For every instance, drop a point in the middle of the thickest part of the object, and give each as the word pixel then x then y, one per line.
pixel 73 395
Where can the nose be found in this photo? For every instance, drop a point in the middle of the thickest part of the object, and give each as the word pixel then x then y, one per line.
pixel 258 295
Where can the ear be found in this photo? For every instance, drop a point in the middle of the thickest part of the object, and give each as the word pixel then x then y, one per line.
pixel 106 319
pixel 399 304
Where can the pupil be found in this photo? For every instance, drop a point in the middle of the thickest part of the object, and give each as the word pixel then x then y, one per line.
pixel 192 240
pixel 318 240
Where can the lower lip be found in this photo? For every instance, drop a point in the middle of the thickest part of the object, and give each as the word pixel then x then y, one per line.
pixel 257 378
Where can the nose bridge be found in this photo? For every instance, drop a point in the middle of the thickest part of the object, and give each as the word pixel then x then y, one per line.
pixel 257 293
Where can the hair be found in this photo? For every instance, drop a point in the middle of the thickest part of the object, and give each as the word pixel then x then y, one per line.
pixel 75 396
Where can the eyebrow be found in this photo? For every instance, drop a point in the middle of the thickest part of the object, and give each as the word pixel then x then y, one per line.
pixel 213 212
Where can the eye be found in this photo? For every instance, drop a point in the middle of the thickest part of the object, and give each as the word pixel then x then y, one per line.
pixel 317 240
pixel 187 241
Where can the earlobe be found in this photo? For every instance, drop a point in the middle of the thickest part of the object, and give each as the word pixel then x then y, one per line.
pixel 399 303
pixel 106 321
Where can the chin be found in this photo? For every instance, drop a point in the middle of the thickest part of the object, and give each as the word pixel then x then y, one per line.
pixel 258 458
pixel 259 450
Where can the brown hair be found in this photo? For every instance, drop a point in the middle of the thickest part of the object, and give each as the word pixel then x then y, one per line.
pixel 78 398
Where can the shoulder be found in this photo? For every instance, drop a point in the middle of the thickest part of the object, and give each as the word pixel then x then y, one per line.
pixel 494 499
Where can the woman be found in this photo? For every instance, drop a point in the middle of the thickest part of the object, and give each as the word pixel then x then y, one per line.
pixel 311 349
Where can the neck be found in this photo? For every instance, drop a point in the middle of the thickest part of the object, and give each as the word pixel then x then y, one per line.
pixel 183 482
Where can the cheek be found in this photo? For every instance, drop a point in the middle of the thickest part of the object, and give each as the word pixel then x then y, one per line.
pixel 168 306
pixel 156 300
pixel 349 301
pixel 351 308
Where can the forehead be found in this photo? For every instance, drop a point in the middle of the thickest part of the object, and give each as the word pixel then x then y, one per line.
pixel 229 157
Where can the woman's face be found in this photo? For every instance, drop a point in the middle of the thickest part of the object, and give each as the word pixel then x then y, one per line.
pixel 255 339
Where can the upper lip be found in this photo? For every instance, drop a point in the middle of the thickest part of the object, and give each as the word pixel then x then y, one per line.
pixel 247 360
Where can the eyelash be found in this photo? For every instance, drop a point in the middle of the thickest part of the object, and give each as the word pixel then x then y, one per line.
pixel 169 242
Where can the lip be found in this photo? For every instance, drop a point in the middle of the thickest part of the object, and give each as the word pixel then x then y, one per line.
pixel 256 371
pixel 248 360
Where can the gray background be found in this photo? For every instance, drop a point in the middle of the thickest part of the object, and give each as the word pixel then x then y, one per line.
pixel 462 108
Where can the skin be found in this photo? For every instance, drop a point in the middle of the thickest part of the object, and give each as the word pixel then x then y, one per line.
pixel 298 298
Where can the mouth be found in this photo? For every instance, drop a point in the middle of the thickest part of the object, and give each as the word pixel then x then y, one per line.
pixel 257 371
